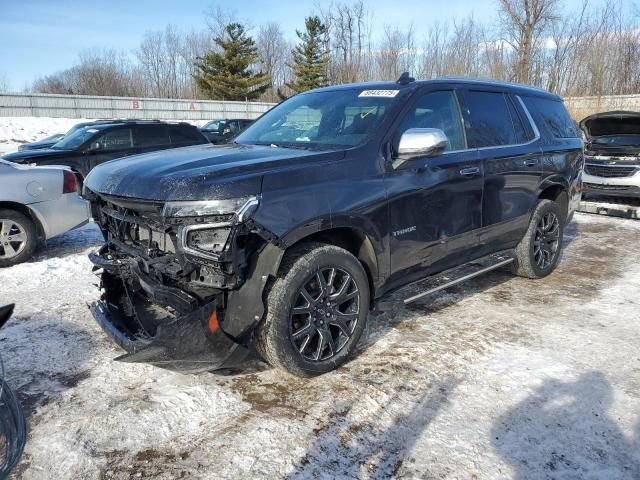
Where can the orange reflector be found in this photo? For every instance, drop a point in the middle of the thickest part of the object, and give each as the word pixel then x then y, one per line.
pixel 213 322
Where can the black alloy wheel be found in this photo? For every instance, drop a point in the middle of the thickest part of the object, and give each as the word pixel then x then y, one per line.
pixel 325 314
pixel 547 240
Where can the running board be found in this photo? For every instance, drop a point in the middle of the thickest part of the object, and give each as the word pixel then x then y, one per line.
pixel 462 273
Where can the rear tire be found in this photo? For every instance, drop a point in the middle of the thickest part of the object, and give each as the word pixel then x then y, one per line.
pixel 18 237
pixel 537 254
pixel 316 310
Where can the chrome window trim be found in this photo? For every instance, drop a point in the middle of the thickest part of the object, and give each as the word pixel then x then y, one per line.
pixel 534 127
pixel 204 226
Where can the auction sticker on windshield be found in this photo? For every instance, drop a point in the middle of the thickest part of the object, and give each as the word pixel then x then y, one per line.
pixel 378 93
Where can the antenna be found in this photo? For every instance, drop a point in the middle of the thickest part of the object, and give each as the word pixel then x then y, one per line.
pixel 405 79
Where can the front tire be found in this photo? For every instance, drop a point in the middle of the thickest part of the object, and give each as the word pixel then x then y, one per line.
pixel 537 254
pixel 316 310
pixel 18 237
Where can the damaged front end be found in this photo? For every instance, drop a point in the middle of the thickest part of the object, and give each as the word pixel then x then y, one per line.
pixel 181 282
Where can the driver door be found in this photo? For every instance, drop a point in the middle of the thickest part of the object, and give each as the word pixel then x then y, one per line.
pixel 435 204
pixel 112 144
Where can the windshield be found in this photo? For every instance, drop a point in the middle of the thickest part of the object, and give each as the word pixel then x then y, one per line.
pixel 75 128
pixel 77 138
pixel 618 140
pixel 214 125
pixel 326 119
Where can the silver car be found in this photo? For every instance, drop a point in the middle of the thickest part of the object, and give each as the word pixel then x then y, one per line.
pixel 36 202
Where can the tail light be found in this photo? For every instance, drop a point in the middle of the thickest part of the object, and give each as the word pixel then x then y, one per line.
pixel 70 183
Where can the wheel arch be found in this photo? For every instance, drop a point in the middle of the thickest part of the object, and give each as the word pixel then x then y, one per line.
pixel 355 241
pixel 25 210
pixel 559 193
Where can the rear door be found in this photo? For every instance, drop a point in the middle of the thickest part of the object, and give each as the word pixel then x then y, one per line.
pixel 498 126
pixel 434 203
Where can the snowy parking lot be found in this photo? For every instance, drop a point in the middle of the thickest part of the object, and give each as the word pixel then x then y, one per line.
pixel 499 378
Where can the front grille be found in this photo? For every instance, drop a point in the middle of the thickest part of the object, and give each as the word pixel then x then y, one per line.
pixel 610 171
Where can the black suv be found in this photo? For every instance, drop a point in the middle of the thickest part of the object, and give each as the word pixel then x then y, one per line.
pixel 99 142
pixel 283 241
pixel 223 131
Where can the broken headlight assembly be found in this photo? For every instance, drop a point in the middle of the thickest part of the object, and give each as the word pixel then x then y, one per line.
pixel 242 207
pixel 209 239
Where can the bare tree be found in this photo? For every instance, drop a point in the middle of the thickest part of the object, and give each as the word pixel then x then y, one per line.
pixel 524 22
pixel 4 82
pixel 275 54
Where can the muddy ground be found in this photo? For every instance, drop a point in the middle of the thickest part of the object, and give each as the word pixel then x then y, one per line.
pixel 499 378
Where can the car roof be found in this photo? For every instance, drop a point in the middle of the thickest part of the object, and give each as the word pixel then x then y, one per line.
pixel 516 88
pixel 104 124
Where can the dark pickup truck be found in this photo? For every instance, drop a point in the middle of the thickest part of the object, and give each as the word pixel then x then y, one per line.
pixel 281 242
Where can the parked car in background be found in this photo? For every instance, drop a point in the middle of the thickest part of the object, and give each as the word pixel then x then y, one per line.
pixel 223 131
pixel 53 139
pixel 95 144
pixel 36 202
pixel 283 240
pixel 612 154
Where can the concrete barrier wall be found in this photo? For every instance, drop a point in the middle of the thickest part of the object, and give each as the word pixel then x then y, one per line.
pixel 80 106
pixel 580 107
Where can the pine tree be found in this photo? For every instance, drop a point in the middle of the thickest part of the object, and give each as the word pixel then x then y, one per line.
pixel 310 57
pixel 226 75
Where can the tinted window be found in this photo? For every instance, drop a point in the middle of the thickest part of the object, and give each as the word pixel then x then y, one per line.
pixel 234 126
pixel 151 136
pixel 487 120
pixel 552 116
pixel 437 110
pixel 113 140
pixel 184 134
pixel 521 125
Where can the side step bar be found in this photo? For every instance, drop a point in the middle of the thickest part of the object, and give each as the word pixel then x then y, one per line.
pixel 462 273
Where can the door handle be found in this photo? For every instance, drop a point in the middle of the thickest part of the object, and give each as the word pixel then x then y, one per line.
pixel 532 162
pixel 470 171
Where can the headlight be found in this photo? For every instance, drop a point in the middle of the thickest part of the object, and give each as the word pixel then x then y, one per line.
pixel 243 207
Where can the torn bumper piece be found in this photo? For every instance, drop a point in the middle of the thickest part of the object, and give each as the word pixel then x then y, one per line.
pixel 190 343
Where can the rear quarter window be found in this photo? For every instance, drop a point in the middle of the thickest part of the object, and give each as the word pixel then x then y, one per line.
pixel 185 135
pixel 551 116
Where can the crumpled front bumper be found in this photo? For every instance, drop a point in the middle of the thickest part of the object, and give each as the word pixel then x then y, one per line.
pixel 190 343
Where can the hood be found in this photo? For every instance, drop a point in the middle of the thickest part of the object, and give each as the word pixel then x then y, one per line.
pixel 38 145
pixel 26 155
pixel 198 172
pixel 611 123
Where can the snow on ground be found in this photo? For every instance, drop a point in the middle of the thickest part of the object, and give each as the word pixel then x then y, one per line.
pixel 15 131
pixel 500 378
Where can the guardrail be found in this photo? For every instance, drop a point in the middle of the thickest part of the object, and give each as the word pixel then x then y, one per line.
pixel 82 106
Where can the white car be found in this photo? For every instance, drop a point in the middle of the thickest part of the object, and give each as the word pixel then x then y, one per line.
pixel 612 154
pixel 36 202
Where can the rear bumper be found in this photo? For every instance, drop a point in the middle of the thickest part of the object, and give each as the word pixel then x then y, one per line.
pixel 65 213
pixel 188 343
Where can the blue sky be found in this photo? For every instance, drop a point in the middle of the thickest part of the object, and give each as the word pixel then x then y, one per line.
pixel 39 37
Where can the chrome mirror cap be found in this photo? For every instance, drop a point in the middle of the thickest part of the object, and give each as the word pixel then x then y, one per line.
pixel 420 143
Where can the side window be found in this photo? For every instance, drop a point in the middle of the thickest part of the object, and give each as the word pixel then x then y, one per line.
pixel 234 126
pixel 184 134
pixel 151 136
pixel 553 115
pixel 114 140
pixel 437 110
pixel 487 119
pixel 521 125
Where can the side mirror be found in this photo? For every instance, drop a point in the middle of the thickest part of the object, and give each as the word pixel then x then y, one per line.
pixel 420 143
pixel 95 146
